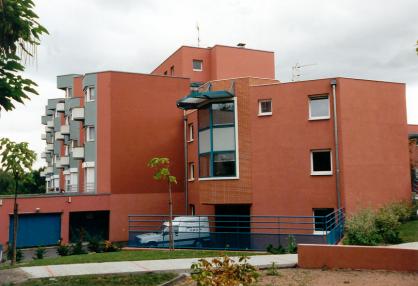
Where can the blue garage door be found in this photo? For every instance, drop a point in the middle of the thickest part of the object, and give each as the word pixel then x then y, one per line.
pixel 37 229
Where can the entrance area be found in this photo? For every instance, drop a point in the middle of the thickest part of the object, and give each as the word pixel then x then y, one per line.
pixel 89 225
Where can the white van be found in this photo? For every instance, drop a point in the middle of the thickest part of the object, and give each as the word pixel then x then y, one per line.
pixel 187 231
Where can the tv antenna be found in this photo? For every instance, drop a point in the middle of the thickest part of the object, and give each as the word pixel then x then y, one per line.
pixel 296 70
pixel 198 34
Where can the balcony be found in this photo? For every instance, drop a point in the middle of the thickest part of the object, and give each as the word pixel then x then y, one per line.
pixel 78 153
pixel 49 170
pixel 43 136
pixel 49 147
pixel 50 124
pixel 65 129
pixel 58 164
pixel 42 174
pixel 89 187
pixel 43 155
pixel 65 161
pixel 71 188
pixel 60 107
pixel 77 113
pixel 59 136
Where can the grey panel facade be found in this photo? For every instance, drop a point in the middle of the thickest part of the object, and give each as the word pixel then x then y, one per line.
pixel 90 151
pixel 75 130
pixel 57 124
pixel 64 81
pixel 90 117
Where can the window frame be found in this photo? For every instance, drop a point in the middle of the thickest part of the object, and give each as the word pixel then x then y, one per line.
pixel 191 174
pixel 260 112
pixel 317 97
pixel 172 71
pixel 88 97
pixel 201 65
pixel 191 133
pixel 321 173
pixel 88 133
pixel 321 232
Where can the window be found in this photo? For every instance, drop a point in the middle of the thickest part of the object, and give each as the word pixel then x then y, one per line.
pixel 191 171
pixel 90 133
pixel 66 151
pixel 321 163
pixel 264 107
pixel 56 183
pixel 73 182
pixel 68 92
pixel 90 93
pixel 319 107
pixel 165 73
pixel 197 65
pixel 324 220
pixel 192 209
pixel 217 156
pixel 67 120
pixel 172 70
pixel 191 135
pixel 89 179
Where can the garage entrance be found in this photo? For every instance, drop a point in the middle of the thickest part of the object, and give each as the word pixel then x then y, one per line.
pixel 36 229
pixel 85 225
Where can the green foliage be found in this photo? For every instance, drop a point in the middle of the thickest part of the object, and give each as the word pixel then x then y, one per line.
pixel 39 253
pixel 95 245
pixel 19 254
pixel 276 250
pixel 402 210
pixel 388 224
pixel 224 272
pixel 273 270
pixel 16 158
pixel 30 183
pixel 78 248
pixel 162 169
pixel 20 35
pixel 292 246
pixel 63 250
pixel 110 246
pixel 361 229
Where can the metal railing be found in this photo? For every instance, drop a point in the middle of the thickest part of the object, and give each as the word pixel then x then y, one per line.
pixel 71 188
pixel 89 187
pixel 234 232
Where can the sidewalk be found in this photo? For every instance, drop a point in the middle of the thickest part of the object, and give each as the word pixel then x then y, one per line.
pixel 170 265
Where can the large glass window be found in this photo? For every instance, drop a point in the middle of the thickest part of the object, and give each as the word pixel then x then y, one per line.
pixel 217 156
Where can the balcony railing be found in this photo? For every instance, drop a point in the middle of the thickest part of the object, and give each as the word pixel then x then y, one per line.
pixel 78 152
pixel 43 155
pixel 60 107
pixel 59 136
pixel 42 174
pixel 43 136
pixel 77 113
pixel 71 188
pixel 89 187
pixel 49 147
pixel 50 124
pixel 65 161
pixel 65 129
pixel 49 170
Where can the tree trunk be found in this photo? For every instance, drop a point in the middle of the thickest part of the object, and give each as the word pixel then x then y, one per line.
pixel 170 219
pixel 15 224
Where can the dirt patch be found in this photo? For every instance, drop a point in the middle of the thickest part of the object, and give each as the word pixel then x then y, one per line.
pixel 12 276
pixel 305 277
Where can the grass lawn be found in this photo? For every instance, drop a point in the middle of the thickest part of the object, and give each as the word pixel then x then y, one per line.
pixel 409 231
pixel 148 279
pixel 131 255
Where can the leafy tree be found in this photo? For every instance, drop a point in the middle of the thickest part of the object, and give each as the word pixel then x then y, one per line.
pixel 31 183
pixel 16 159
pixel 20 35
pixel 162 173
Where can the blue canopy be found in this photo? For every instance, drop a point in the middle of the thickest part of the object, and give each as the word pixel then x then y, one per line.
pixel 196 98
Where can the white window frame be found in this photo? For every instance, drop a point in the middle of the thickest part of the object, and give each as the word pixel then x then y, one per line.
pixel 88 93
pixel 260 113
pixel 318 232
pixel 316 97
pixel 66 150
pixel 191 133
pixel 201 65
pixel 191 175
pixel 88 133
pixel 321 173
pixel 67 92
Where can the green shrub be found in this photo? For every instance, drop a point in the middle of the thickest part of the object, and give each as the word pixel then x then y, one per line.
pixel 361 229
pixel 400 209
pixel 77 248
pixel 292 246
pixel 39 253
pixel 19 253
pixel 63 250
pixel 110 246
pixel 387 223
pixel 273 270
pixel 95 245
pixel 224 272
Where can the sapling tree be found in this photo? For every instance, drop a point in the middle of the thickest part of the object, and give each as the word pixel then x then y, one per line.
pixel 162 173
pixel 15 159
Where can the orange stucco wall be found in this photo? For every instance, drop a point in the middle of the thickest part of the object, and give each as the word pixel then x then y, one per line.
pixel 357 257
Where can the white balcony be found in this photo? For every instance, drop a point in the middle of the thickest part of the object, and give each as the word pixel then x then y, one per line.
pixel 78 152
pixel 49 147
pixel 65 161
pixel 60 107
pixel 43 136
pixel 43 155
pixel 65 129
pixel 42 174
pixel 77 113
pixel 58 164
pixel 49 170
pixel 50 123
pixel 59 136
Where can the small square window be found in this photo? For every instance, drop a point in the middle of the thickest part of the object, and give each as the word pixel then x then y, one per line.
pixel 197 65
pixel 319 107
pixel 90 133
pixel 321 162
pixel 265 107
pixel 191 131
pixel 191 172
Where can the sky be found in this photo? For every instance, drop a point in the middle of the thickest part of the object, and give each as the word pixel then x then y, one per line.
pixel 361 39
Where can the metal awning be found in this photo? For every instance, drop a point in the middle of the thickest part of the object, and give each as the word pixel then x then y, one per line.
pixel 196 98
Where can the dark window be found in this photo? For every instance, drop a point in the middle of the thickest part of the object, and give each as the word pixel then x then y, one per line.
pixel 324 219
pixel 224 164
pixel 165 73
pixel 172 70
pixel 265 107
pixel 321 161
pixel 204 165
pixel 197 65
pixel 204 117
pixel 192 209
pixel 223 113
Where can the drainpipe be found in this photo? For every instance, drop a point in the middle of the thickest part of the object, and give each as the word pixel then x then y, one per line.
pixel 337 157
pixel 186 167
